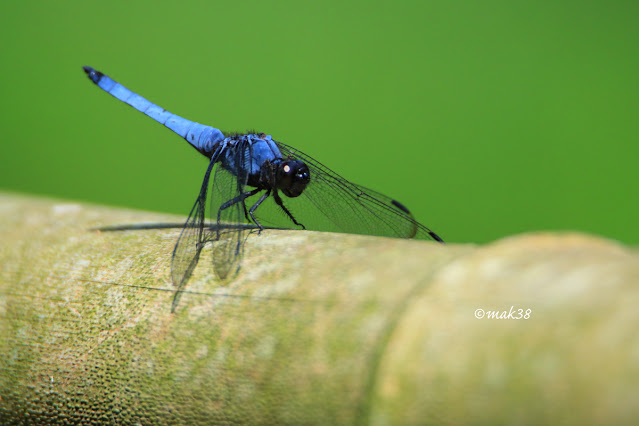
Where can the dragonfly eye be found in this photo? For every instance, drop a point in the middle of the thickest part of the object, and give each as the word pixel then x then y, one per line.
pixel 292 177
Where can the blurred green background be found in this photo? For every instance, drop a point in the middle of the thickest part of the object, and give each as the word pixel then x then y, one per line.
pixel 485 118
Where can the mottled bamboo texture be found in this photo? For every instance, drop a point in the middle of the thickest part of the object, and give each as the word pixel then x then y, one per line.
pixel 316 328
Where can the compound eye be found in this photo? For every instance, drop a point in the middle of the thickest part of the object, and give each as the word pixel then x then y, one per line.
pixel 293 177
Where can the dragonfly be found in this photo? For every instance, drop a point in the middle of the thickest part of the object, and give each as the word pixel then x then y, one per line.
pixel 256 182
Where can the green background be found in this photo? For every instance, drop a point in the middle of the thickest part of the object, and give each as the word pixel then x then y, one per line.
pixel 485 118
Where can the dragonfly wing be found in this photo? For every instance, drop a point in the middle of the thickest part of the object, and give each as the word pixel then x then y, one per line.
pixel 229 213
pixel 192 238
pixel 230 232
pixel 347 207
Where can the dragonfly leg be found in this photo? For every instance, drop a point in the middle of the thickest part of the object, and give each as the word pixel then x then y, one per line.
pixel 239 199
pixel 255 206
pixel 246 215
pixel 280 203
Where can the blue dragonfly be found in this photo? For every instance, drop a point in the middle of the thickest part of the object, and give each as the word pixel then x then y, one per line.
pixel 250 171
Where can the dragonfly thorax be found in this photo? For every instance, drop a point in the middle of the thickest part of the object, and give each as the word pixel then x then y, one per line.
pixel 257 158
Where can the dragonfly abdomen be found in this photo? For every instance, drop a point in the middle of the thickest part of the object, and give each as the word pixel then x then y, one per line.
pixel 203 138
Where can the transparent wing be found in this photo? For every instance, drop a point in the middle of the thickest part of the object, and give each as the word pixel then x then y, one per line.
pixel 332 203
pixel 229 213
pixel 192 238
pixel 229 234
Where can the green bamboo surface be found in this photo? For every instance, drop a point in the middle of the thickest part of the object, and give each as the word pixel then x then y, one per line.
pixel 316 328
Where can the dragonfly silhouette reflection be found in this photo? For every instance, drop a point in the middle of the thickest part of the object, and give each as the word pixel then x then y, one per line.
pixel 250 173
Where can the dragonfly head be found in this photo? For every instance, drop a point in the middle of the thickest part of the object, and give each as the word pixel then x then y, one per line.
pixel 292 177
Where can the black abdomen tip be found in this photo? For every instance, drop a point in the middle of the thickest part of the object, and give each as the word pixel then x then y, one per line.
pixel 93 74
